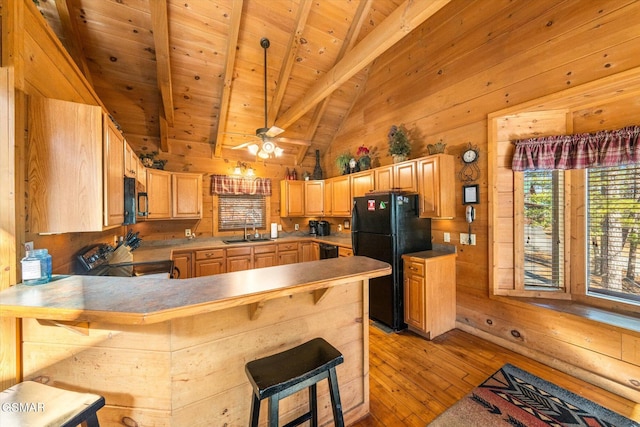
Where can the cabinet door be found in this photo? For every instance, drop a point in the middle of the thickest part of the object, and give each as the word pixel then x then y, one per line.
pixel 238 263
pixel 436 186
pixel 328 197
pixel 186 195
pixel 113 174
pixel 130 162
pixel 181 265
pixel 314 198
pixel 268 259
pixel 291 198
pixel 65 174
pixel 159 194
pixel 343 252
pixel 361 183
pixel 341 197
pixel 306 252
pixel 405 176
pixel 383 178
pixel 414 294
pixel 209 267
pixel 141 174
pixel 287 257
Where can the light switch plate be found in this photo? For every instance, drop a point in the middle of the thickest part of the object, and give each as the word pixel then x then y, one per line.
pixel 447 237
pixel 28 246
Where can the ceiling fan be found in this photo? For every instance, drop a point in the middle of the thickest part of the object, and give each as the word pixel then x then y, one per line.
pixel 268 148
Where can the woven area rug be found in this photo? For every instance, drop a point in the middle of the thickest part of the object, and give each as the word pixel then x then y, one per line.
pixel 513 397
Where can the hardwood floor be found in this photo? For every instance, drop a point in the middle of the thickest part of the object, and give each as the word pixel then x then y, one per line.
pixel 412 380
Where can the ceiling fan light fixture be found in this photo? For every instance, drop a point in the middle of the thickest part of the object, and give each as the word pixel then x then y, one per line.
pixel 253 149
pixel 263 155
pixel 268 147
pixel 278 151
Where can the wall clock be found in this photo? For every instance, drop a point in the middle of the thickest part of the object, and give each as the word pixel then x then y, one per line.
pixel 470 170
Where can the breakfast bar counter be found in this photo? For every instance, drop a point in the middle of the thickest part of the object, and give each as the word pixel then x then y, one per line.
pixel 172 352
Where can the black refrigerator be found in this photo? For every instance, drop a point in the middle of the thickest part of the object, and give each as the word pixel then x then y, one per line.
pixel 384 227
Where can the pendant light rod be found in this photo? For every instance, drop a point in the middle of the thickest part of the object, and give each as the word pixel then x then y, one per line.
pixel 264 42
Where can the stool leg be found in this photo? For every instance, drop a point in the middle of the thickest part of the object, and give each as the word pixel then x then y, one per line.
pixel 313 405
pixel 92 421
pixel 273 410
pixel 335 398
pixel 255 412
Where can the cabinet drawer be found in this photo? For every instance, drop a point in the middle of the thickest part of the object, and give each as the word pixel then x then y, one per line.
pixel 264 249
pixel 239 251
pixel 210 253
pixel 287 246
pixel 344 251
pixel 416 268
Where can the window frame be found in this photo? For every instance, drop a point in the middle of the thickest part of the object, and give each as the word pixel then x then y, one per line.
pixel 226 233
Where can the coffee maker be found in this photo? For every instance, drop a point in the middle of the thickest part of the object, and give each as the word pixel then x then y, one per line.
pixel 313 227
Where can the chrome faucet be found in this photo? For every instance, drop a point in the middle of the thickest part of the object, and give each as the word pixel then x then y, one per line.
pixel 256 235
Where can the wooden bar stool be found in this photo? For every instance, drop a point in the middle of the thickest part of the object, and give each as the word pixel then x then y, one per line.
pixel 280 375
pixel 33 404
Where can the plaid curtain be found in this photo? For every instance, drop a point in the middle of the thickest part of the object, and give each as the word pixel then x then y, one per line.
pixel 231 185
pixel 580 151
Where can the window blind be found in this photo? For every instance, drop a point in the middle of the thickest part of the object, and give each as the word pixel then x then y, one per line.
pixel 236 211
pixel 544 230
pixel 613 228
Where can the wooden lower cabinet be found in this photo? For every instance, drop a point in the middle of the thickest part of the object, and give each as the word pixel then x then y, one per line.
pixel 239 259
pixel 182 265
pixel 430 293
pixel 264 256
pixel 210 262
pixel 342 251
pixel 288 253
pixel 309 251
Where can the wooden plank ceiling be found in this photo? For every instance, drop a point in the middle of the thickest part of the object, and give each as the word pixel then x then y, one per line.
pixel 187 77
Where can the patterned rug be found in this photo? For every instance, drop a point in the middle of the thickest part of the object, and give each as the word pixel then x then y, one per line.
pixel 513 397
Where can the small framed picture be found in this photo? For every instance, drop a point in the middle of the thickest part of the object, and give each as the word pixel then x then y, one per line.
pixel 470 194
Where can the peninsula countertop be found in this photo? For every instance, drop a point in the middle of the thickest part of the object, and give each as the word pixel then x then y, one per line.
pixel 141 300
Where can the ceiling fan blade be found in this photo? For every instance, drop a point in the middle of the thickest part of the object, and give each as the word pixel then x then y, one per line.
pixel 274 131
pixel 246 144
pixel 293 141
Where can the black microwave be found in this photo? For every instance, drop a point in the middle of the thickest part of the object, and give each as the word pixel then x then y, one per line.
pixel 136 202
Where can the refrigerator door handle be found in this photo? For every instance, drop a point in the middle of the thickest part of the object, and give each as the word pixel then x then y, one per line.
pixel 354 228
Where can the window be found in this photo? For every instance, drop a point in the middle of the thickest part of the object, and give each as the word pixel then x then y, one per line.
pixel 544 239
pixel 613 228
pixel 236 211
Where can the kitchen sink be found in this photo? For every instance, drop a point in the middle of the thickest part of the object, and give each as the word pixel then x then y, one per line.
pixel 259 239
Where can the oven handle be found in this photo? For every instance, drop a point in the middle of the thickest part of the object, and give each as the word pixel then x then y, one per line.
pixel 144 212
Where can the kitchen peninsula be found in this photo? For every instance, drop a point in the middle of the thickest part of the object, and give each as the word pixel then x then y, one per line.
pixel 172 353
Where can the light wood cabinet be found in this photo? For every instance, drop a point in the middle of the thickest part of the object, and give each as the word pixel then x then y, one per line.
pixel 288 253
pixel 186 195
pixel 436 186
pixel 309 251
pixel 130 162
pixel 291 198
pixel 405 176
pixel 342 251
pixel 239 259
pixel 210 262
pixel 159 194
pixel 141 174
pixel 182 265
pixel 339 194
pixel 264 256
pixel 362 183
pixel 76 168
pixel 314 198
pixel 430 293
pixel 383 178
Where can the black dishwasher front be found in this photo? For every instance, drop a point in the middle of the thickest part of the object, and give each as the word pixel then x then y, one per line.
pixel 328 251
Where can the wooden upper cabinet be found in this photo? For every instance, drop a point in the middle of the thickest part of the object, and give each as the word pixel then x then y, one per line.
pixel 341 196
pixel 186 195
pixel 405 176
pixel 113 174
pixel 314 198
pixel 362 183
pixel 437 186
pixel 291 198
pixel 328 197
pixel 130 162
pixel 69 191
pixel 159 194
pixel 141 174
pixel 383 178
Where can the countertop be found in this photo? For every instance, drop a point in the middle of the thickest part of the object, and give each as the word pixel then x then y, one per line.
pixel 142 300
pixel 157 250
pixel 437 251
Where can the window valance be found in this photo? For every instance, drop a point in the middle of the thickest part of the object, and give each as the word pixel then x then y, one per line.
pixel 579 151
pixel 231 185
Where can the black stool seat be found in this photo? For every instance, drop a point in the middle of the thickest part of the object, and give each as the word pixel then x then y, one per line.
pixel 33 404
pixel 282 374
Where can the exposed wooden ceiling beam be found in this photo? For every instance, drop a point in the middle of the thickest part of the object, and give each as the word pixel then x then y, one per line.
pixel 289 59
pixel 350 39
pixel 160 27
pixel 396 26
pixel 164 132
pixel 234 30
pixel 72 34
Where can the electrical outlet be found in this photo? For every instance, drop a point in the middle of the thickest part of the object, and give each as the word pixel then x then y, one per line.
pixel 447 237
pixel 296 227
pixel 464 239
pixel 339 227
pixel 279 227
pixel 28 246
pixel 187 232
